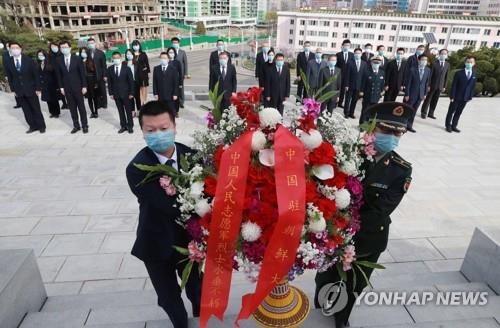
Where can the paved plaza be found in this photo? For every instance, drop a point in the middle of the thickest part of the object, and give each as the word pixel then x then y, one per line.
pixel 66 195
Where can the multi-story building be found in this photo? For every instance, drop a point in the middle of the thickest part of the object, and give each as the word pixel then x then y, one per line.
pixel 215 13
pixel 447 7
pixel 489 8
pixel 327 29
pixel 397 5
pixel 105 20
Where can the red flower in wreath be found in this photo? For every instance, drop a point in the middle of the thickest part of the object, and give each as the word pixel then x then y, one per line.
pixel 324 154
pixel 339 180
pixel 210 186
pixel 327 206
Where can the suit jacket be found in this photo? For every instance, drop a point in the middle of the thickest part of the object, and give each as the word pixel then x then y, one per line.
pixel 25 82
pixel 5 60
pixel 181 57
pixel 120 86
pixel 302 61
pixel 462 89
pixel 439 75
pixel 166 84
pixel 366 56
pixel 157 230
pixel 48 81
pixel 373 85
pixel 416 88
pixel 325 76
pixel 354 79
pixel 74 80
pixel 384 186
pixel 312 72
pixel 99 59
pixel 394 78
pixel 228 84
pixel 260 67
pixel 143 68
pixel 384 63
pixel 277 86
pixel 412 61
pixel 342 64
pixel 214 59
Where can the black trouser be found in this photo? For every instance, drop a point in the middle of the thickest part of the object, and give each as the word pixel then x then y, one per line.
pixel 63 99
pixel 342 92
pixel 136 102
pixel 454 111
pixel 364 110
pixel 54 108
pixel 164 280
pixel 94 100
pixel 413 103
pixel 301 91
pixel 353 288
pixel 225 103
pixel 330 104
pixel 351 99
pixel 125 112
pixel 32 112
pixel 102 98
pixel 18 103
pixel 181 93
pixel 77 107
pixel 391 94
pixel 430 102
pixel 276 103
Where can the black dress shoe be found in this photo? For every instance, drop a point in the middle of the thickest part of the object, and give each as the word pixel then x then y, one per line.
pixel 122 130
pixel 85 130
pixel 75 130
pixel 182 105
pixel 448 129
pixel 455 130
pixel 411 130
pixel 30 131
pixel 64 107
pixel 42 131
pixel 352 116
pixel 17 106
pixel 432 116
pixel 130 130
pixel 346 116
pixel 423 116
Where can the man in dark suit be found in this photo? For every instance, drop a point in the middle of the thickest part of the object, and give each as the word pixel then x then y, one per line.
pixel 386 182
pixel 5 60
pixel 326 75
pixel 313 68
pixel 302 59
pixel 224 73
pixel 121 89
pixel 381 54
pixel 24 81
pixel 356 71
pixel 462 91
pixel 181 57
pixel 99 59
pixel 368 53
pixel 214 55
pixel 416 87
pixel 157 231
pixel 343 58
pixel 260 64
pixel 166 81
pixel 372 87
pixel 277 84
pixel 413 59
pixel 73 85
pixel 394 76
pixel 439 77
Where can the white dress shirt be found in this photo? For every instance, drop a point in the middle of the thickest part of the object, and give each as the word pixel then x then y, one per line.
pixel 164 159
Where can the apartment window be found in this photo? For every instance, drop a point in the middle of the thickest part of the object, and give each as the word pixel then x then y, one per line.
pixel 301 32
pixel 74 22
pixel 487 32
pixel 291 32
pixel 420 28
pixel 301 42
pixel 392 38
pixel 334 44
pixel 441 41
pixel 312 33
pixel 496 45
pixel 323 33
pixel 312 22
pixel 57 22
pixel 371 25
pixel 456 42
pixel 335 24
pixel 290 41
pixel 498 33
pixel 474 31
pixel 346 24
pixel 484 44
pixel 54 9
pixel 292 21
pixel 345 35
pixel 72 9
pixel 389 49
pixel 355 36
pixel 459 30
pixel 334 34
pixel 470 43
pixel 444 30
pixel 381 38
pixel 359 25
pixel 382 26
pixel 406 27
pixel 394 27
pixel 302 22
pixel 369 36
pixel 433 29
pixel 325 23
pixel 404 38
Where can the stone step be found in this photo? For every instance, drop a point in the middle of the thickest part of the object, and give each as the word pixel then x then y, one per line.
pixel 59 319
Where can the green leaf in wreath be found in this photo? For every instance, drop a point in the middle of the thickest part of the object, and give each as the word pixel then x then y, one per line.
pixel 185 274
pixel 181 250
pixel 372 265
pixel 368 283
pixel 341 271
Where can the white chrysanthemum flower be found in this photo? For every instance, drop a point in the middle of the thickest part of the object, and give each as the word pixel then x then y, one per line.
pixel 250 231
pixel 342 198
pixel 318 225
pixel 269 117
pixel 266 157
pixel 258 140
pixel 202 207
pixel 196 189
pixel 349 168
pixel 311 140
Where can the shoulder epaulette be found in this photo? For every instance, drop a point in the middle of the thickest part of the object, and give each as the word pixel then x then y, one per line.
pixel 400 161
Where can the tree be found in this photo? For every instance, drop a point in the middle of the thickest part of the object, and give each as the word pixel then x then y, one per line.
pixel 200 28
pixel 490 86
pixel 271 17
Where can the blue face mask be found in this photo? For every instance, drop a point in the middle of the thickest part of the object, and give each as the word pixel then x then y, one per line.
pixel 270 58
pixel 83 55
pixel 280 63
pixel 164 61
pixel 65 51
pixel 357 56
pixel 399 56
pixel 175 45
pixel 223 62
pixel 318 56
pixel 345 48
pixel 265 49
pixel 332 64
pixel 220 47
pixel 418 52
pixel 385 143
pixel 54 49
pixel 117 62
pixel 375 67
pixel 130 57
pixel 443 57
pixel 41 57
pixel 160 141
pixel 468 66
pixel 136 47
pixel 91 46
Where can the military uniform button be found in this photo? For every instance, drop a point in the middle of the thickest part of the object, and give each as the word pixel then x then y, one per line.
pixel 376 194
pixel 381 228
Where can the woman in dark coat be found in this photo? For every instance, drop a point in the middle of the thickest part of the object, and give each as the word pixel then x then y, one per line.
pixel 52 54
pixel 172 61
pixel 92 94
pixel 136 101
pixel 143 70
pixel 269 65
pixel 48 82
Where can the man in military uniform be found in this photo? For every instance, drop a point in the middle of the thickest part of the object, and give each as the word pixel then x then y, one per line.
pixel 372 87
pixel 387 179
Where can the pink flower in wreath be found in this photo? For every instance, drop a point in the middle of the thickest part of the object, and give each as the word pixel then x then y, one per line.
pixel 311 107
pixel 369 138
pixel 348 257
pixel 210 120
pixel 195 254
pixel 166 184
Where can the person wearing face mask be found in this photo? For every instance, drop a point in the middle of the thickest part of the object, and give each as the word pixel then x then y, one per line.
pixel 439 77
pixel 277 89
pixel 99 59
pixel 381 54
pixel 413 59
pixel 368 53
pixel 461 92
pixel 416 87
pixel 314 66
pixel 166 81
pixel 136 101
pixel 214 55
pixel 356 71
pixel 268 68
pixel 224 73
pixel 303 59
pixel 52 55
pixel 387 180
pixel 181 57
pixel 172 60
pixel 48 82
pixel 331 77
pixel 157 230
pixel 93 93
pixel 73 85
pixel 6 55
pixel 142 61
pixel 394 76
pixel 344 57
pixel 260 63
pixel 372 87
pixel 121 90
pixel 24 80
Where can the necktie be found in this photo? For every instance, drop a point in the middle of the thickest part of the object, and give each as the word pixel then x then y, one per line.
pixel 116 70
pixel 442 65
pixel 331 72
pixel 223 73
pixel 170 162
pixel 468 75
pixel 164 69
pixel 399 65
pixel 421 73
pixel 67 63
pixel 18 65
pixel 345 57
pixel 279 71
